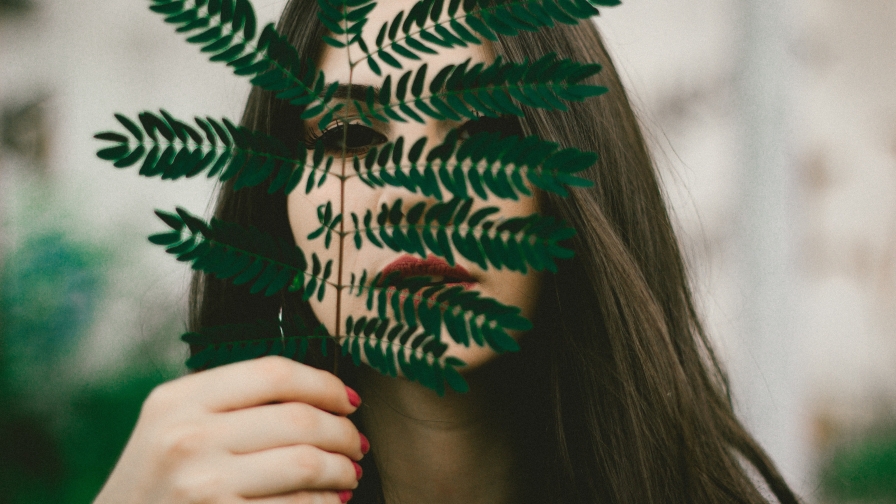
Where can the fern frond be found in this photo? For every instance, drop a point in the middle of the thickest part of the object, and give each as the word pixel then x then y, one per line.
pixel 459 91
pixel 389 347
pixel 236 15
pixel 402 334
pixel 485 163
pixel 329 224
pixel 224 28
pixel 344 18
pixel 220 345
pixel 171 148
pixel 424 24
pixel 227 30
pixel 242 255
pixel 516 243
pixel 467 316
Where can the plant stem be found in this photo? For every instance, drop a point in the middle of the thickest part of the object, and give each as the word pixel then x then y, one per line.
pixel 340 286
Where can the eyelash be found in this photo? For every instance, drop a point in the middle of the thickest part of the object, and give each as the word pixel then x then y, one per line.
pixel 333 135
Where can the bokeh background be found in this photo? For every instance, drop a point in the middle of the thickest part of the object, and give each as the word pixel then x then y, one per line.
pixel 773 126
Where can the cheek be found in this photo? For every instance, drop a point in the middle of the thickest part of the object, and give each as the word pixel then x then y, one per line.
pixel 302 212
pixel 521 291
pixel 508 287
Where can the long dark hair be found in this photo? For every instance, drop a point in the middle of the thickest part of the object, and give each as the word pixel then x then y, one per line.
pixel 625 399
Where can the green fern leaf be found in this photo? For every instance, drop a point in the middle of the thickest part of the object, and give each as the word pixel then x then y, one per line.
pixel 246 256
pixel 220 345
pixel 404 336
pixel 517 243
pixel 482 165
pixel 390 347
pixel 227 31
pixel 468 317
pixel 387 346
pixel 463 91
pixel 344 17
pixel 461 26
pixel 220 148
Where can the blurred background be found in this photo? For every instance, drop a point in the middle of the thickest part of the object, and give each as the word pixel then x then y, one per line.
pixel 773 125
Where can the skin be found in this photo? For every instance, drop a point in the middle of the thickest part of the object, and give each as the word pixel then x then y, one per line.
pixel 508 287
pixel 273 431
pixel 267 431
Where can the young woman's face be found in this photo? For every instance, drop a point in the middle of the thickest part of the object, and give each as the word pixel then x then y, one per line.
pixel 508 287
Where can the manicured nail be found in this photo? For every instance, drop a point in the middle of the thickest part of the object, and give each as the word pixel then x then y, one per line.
pixel 365 444
pixel 353 397
pixel 358 471
pixel 345 496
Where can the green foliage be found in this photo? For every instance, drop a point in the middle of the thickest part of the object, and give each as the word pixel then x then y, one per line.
pixel 483 164
pixel 515 243
pixel 66 455
pixel 405 34
pixel 226 29
pixel 390 347
pixel 246 256
pixel 459 91
pixel 864 471
pixel 404 337
pixel 346 18
pixel 466 315
pixel 239 342
pixel 171 149
pixel 61 430
pixel 51 283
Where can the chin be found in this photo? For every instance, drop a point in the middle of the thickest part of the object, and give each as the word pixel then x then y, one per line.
pixel 474 356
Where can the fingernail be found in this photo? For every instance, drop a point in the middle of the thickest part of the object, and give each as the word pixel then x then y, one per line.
pixel 353 397
pixel 345 496
pixel 358 471
pixel 365 444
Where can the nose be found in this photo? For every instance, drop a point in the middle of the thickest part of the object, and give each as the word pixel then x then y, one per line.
pixel 390 196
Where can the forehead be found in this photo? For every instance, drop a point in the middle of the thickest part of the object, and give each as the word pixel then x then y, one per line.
pixel 335 62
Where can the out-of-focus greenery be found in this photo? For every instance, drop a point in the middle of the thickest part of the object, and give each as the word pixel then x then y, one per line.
pixel 864 470
pixel 54 458
pixel 60 434
pixel 14 5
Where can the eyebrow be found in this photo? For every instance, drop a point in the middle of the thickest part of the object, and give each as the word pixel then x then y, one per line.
pixel 354 91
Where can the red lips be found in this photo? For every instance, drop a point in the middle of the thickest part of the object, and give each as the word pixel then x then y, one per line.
pixel 436 267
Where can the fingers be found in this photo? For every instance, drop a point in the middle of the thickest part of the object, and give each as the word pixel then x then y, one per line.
pixel 305 498
pixel 289 468
pixel 262 381
pixel 285 424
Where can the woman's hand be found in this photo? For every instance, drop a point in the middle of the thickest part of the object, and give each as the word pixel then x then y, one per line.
pixel 263 431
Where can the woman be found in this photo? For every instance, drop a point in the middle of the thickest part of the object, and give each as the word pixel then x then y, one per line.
pixel 616 395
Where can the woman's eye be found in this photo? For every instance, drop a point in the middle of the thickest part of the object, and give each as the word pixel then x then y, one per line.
pixel 505 125
pixel 351 138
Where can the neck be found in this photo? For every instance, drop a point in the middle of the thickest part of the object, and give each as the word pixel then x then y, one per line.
pixel 441 450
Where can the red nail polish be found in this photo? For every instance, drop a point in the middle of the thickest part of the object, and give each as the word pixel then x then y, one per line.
pixel 345 496
pixel 358 471
pixel 365 444
pixel 353 397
